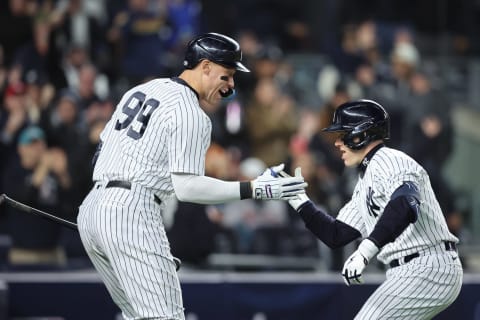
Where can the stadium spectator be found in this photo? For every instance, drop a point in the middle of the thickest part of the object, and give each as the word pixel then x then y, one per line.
pixel 17 13
pixel 13 117
pixel 140 39
pixel 271 122
pixel 38 178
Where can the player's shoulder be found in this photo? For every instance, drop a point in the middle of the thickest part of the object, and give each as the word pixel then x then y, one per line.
pixel 155 85
pixel 391 152
pixel 393 159
pixel 172 88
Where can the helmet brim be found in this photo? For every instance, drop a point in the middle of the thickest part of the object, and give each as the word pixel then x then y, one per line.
pixel 240 67
pixel 334 128
pixel 235 65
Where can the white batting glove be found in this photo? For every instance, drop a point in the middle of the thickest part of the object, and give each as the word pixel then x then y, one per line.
pixel 356 263
pixel 301 198
pixel 271 186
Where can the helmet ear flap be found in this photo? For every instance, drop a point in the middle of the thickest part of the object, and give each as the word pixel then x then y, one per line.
pixel 356 140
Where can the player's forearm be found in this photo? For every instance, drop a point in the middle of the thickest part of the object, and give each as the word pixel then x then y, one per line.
pixel 204 190
pixel 332 232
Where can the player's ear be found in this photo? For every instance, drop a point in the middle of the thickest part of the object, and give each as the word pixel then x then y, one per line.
pixel 206 66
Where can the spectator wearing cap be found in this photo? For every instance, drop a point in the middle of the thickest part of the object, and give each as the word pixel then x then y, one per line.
pixel 38 179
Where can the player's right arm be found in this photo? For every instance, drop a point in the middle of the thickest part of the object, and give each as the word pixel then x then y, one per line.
pixel 331 231
pixel 334 233
pixel 208 190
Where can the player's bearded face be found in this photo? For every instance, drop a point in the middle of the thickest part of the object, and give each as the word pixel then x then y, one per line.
pixel 350 157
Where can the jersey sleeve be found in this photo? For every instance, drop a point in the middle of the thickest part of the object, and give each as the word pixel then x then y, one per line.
pixel 351 216
pixel 190 131
pixel 405 171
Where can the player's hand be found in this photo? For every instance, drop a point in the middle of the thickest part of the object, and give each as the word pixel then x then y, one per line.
pixel 301 198
pixel 271 186
pixel 356 263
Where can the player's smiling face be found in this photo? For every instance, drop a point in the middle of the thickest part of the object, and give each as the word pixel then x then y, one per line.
pixel 220 83
pixel 350 157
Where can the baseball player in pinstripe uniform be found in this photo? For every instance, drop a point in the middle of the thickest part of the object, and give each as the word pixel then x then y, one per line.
pixel 394 210
pixel 153 147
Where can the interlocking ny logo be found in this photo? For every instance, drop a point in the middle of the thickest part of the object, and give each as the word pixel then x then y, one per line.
pixel 373 208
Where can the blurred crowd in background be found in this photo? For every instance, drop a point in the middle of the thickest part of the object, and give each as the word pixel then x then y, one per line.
pixel 64 65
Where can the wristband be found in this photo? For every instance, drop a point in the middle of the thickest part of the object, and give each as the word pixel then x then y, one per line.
pixel 245 190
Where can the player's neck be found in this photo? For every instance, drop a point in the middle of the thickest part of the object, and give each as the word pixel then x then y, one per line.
pixel 190 78
pixel 371 146
pixel 368 153
pixel 193 81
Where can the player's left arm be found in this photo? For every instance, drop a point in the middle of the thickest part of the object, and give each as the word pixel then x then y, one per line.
pixel 401 210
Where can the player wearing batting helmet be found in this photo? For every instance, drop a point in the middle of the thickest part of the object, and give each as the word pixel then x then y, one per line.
pixel 395 213
pixel 214 47
pixel 152 148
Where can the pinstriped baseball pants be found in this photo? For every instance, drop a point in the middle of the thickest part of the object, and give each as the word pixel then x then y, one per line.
pixel 123 235
pixel 419 289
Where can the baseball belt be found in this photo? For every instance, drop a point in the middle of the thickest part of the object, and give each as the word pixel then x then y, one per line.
pixel 449 246
pixel 127 185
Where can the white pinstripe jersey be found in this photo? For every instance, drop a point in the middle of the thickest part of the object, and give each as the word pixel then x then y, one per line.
pixel 158 127
pixel 386 171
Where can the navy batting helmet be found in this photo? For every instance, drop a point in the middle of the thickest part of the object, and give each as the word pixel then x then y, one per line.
pixel 215 47
pixel 362 121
